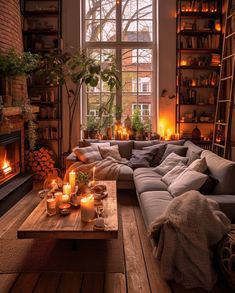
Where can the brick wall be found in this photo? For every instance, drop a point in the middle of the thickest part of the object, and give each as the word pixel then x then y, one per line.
pixel 11 37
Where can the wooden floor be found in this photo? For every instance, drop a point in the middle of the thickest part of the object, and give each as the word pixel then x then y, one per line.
pixel 141 271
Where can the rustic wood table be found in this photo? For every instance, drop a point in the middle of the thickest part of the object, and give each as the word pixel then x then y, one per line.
pixel 40 225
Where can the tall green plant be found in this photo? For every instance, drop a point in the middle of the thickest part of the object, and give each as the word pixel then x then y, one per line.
pixel 73 70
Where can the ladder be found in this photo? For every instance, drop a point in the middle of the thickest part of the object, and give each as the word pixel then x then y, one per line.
pixel 221 144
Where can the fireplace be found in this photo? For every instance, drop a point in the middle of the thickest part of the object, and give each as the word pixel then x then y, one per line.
pixel 10 156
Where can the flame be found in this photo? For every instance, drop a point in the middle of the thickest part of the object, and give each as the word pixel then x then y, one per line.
pixel 6 165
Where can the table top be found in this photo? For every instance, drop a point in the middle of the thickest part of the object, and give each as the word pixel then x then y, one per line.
pixel 40 225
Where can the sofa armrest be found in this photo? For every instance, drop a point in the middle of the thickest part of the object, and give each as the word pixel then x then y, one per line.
pixel 72 158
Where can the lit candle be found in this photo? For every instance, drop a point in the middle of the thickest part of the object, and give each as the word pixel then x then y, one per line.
pixel 65 198
pixel 183 62
pixel 67 189
pixel 72 180
pixel 58 198
pixel 93 174
pixel 87 208
pixel 194 82
pixel 218 27
pixel 177 136
pixel 51 206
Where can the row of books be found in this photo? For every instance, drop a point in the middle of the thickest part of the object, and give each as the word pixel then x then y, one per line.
pixel 199 42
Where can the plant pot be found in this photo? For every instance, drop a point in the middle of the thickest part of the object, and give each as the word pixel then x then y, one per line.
pixel 109 133
pixel 92 134
pixel 85 134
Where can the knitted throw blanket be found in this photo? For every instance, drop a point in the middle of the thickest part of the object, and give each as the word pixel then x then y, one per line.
pixel 107 169
pixel 184 236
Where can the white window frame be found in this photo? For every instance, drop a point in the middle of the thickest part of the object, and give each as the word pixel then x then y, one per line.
pixel 119 45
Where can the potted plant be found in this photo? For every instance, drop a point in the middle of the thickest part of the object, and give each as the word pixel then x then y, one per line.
pixel 92 127
pixel 137 126
pixel 14 64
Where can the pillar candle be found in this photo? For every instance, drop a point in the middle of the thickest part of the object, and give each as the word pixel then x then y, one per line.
pixel 72 180
pixel 51 206
pixel 67 189
pixel 93 175
pixel 58 198
pixel 87 208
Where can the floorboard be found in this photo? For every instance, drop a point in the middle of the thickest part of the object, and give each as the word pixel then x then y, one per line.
pixel 7 282
pixel 70 282
pixel 137 279
pixel 25 283
pixel 48 282
pixel 115 283
pixel 93 282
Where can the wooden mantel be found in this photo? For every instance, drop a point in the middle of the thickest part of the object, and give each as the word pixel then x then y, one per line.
pixel 14 111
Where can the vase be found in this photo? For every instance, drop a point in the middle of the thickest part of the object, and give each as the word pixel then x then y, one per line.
pixel 196 133
pixel 109 133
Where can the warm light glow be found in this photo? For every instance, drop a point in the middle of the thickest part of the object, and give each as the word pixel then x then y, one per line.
pixel 194 82
pixel 6 168
pixel 183 62
pixel 218 27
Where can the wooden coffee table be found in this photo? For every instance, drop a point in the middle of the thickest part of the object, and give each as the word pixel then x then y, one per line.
pixel 39 225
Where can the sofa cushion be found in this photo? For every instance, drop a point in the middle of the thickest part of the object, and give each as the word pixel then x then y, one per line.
pixel 153 204
pixel 125 174
pixel 110 151
pixel 170 176
pixel 148 180
pixel 139 145
pixel 159 149
pixel 87 155
pixel 169 163
pixel 103 144
pixel 223 170
pixel 226 203
pixel 177 149
pixel 192 156
pixel 188 180
pixel 141 158
pixel 192 148
pixel 125 147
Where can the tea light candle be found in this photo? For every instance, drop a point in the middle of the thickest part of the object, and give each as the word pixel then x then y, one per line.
pixel 51 206
pixel 67 189
pixel 87 208
pixel 72 180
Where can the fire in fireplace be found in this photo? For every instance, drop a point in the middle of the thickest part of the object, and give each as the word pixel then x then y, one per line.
pixel 10 156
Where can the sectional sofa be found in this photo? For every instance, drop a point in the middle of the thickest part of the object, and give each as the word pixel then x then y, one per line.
pixel 152 192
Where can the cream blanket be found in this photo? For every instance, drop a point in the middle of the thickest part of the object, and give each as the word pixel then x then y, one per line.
pixel 185 234
pixel 107 169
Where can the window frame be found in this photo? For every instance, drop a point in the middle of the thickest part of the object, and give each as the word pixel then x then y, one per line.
pixel 120 45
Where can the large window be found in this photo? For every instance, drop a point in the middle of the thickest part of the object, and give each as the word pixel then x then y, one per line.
pixel 123 28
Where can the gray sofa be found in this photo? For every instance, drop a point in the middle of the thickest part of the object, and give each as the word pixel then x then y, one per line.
pixel 152 193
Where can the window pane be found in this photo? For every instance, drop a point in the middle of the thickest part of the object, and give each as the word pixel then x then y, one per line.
pixel 129 59
pixel 108 31
pixel 129 9
pixel 92 31
pixel 145 33
pixel 92 9
pixel 127 102
pixel 145 9
pixel 108 9
pixel 129 31
pixel 129 81
pixel 144 59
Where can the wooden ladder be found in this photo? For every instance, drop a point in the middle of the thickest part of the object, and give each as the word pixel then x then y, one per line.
pixel 225 99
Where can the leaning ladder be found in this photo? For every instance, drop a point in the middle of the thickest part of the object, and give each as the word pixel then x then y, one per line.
pixel 225 98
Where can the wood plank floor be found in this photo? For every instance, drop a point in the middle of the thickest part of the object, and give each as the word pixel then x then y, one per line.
pixel 141 270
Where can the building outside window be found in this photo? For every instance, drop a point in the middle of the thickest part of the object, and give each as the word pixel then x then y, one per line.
pixel 123 29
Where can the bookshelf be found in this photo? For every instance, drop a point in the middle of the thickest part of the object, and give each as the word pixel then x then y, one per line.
pixel 41 25
pixel 199 40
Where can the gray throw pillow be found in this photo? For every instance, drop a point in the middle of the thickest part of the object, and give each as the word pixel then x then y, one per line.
pixel 141 158
pixel 192 157
pixel 177 149
pixel 160 149
pixel 87 155
pixel 169 163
